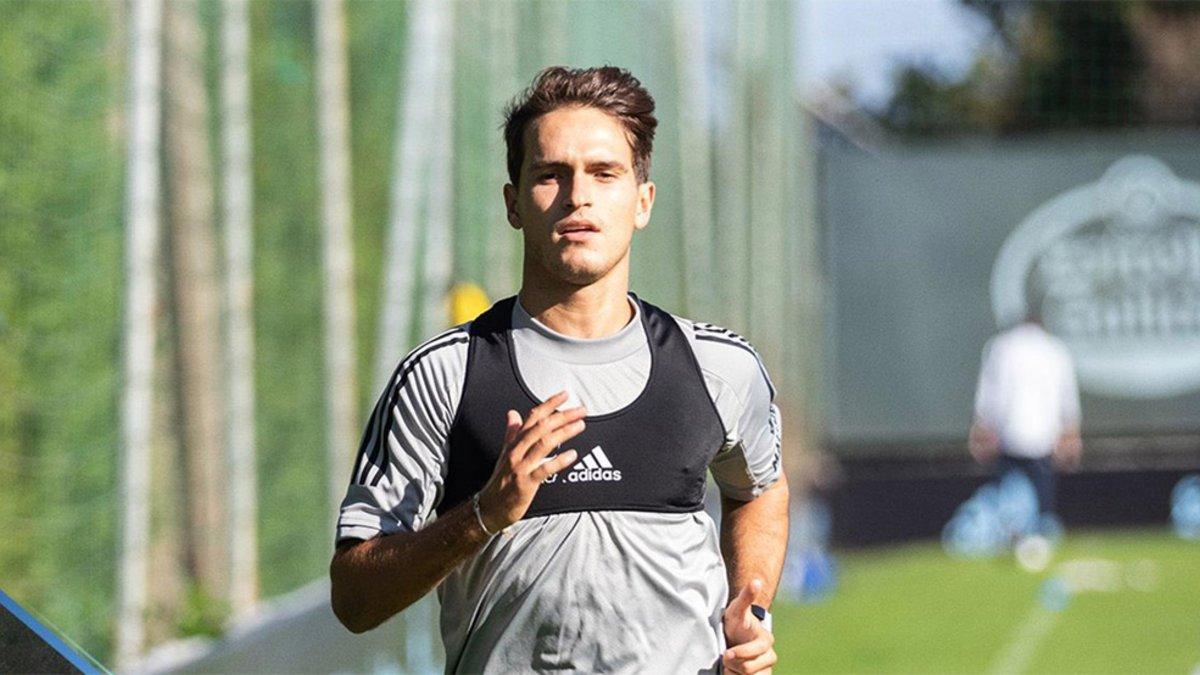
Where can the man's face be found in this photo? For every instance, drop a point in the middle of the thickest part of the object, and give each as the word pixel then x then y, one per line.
pixel 578 202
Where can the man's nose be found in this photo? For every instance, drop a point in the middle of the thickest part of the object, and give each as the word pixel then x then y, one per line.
pixel 579 192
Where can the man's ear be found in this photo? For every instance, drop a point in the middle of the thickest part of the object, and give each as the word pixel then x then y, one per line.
pixel 510 206
pixel 645 204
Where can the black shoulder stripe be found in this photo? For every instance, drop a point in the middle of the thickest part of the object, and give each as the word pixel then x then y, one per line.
pixel 744 346
pixel 371 432
pixel 379 421
pixel 379 451
pixel 717 330
pixel 436 338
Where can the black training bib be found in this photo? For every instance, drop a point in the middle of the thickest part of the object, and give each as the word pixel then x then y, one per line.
pixel 650 455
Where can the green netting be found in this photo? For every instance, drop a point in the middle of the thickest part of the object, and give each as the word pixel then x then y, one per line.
pixel 731 242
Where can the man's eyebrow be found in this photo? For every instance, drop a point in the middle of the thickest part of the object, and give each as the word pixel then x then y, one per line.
pixel 542 165
pixel 606 165
pixel 598 165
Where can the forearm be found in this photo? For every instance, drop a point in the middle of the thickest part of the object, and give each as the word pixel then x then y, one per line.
pixel 375 579
pixel 754 540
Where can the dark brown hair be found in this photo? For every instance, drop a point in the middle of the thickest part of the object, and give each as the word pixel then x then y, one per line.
pixel 610 89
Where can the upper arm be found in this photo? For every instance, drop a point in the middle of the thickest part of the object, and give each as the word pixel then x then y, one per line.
pixel 750 459
pixel 399 470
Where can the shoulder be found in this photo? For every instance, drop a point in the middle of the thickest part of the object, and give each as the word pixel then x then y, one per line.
pixel 1060 349
pixel 442 357
pixel 724 354
pixel 1014 339
pixel 992 346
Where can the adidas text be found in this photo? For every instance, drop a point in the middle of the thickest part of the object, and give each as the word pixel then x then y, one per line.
pixel 582 475
pixel 594 466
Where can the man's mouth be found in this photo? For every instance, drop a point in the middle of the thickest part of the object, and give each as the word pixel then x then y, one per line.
pixel 576 231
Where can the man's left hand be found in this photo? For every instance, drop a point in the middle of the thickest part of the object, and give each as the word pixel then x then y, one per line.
pixel 751 647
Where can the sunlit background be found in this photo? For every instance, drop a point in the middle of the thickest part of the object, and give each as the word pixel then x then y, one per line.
pixel 222 223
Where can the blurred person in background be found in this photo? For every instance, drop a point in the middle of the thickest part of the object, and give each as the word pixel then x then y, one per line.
pixel 597 557
pixel 1027 413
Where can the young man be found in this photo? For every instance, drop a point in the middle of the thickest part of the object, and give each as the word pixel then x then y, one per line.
pixel 563 438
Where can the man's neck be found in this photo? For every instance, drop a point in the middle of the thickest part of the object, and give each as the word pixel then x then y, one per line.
pixel 594 311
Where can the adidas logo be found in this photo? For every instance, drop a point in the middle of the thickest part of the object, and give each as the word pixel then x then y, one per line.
pixel 593 467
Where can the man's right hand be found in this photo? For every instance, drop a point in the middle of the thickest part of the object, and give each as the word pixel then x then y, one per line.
pixel 523 463
pixel 374 579
pixel 1068 450
pixel 983 443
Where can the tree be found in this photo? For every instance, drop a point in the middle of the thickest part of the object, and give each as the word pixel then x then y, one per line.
pixel 1054 65
pixel 196 294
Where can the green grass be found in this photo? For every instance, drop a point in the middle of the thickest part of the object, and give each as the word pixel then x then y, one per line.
pixel 913 609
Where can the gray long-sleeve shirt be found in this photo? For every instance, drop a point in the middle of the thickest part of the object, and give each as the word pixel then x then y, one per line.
pixel 599 591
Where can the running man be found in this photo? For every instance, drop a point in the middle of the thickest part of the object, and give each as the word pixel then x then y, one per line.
pixel 563 438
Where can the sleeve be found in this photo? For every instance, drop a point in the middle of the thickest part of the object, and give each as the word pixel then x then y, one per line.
pixel 399 471
pixel 750 461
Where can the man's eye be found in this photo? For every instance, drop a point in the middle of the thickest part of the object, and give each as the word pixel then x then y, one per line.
pixel 546 177
pixel 607 175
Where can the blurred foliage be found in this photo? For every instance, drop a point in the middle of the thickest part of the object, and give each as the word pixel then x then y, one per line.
pixel 296 529
pixel 202 614
pixel 60 291
pixel 61 282
pixel 287 299
pixel 1055 65
pixel 62 136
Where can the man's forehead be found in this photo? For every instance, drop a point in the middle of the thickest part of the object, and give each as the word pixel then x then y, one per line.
pixel 583 131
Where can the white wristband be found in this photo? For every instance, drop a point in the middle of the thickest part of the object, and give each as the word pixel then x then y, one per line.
pixel 478 515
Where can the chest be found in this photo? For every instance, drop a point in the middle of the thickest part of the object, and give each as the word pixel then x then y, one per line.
pixel 649 455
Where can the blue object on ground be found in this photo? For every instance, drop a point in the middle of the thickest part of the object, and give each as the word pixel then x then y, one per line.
pixel 1054 594
pixel 1018 504
pixel 1185 507
pixel 809 571
pixel 820 575
pixel 998 514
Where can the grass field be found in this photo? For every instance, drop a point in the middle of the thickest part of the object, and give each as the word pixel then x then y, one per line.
pixel 1135 608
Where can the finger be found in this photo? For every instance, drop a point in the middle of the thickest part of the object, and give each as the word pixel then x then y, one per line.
pixel 544 409
pixel 512 427
pixel 530 436
pixel 750 650
pixel 546 443
pixel 757 664
pixel 554 464
pixel 741 604
pixel 761 663
pixel 732 667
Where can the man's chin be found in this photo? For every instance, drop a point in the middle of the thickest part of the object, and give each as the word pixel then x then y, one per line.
pixel 581 274
pixel 577 267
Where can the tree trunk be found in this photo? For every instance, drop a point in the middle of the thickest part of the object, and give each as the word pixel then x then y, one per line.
pixel 333 113
pixel 197 296
pixel 141 297
pixel 238 212
pixel 428 26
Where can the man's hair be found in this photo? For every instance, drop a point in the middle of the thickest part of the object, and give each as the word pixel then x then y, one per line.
pixel 610 89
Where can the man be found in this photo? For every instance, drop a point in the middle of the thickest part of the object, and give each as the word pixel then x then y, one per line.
pixel 563 437
pixel 1027 408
